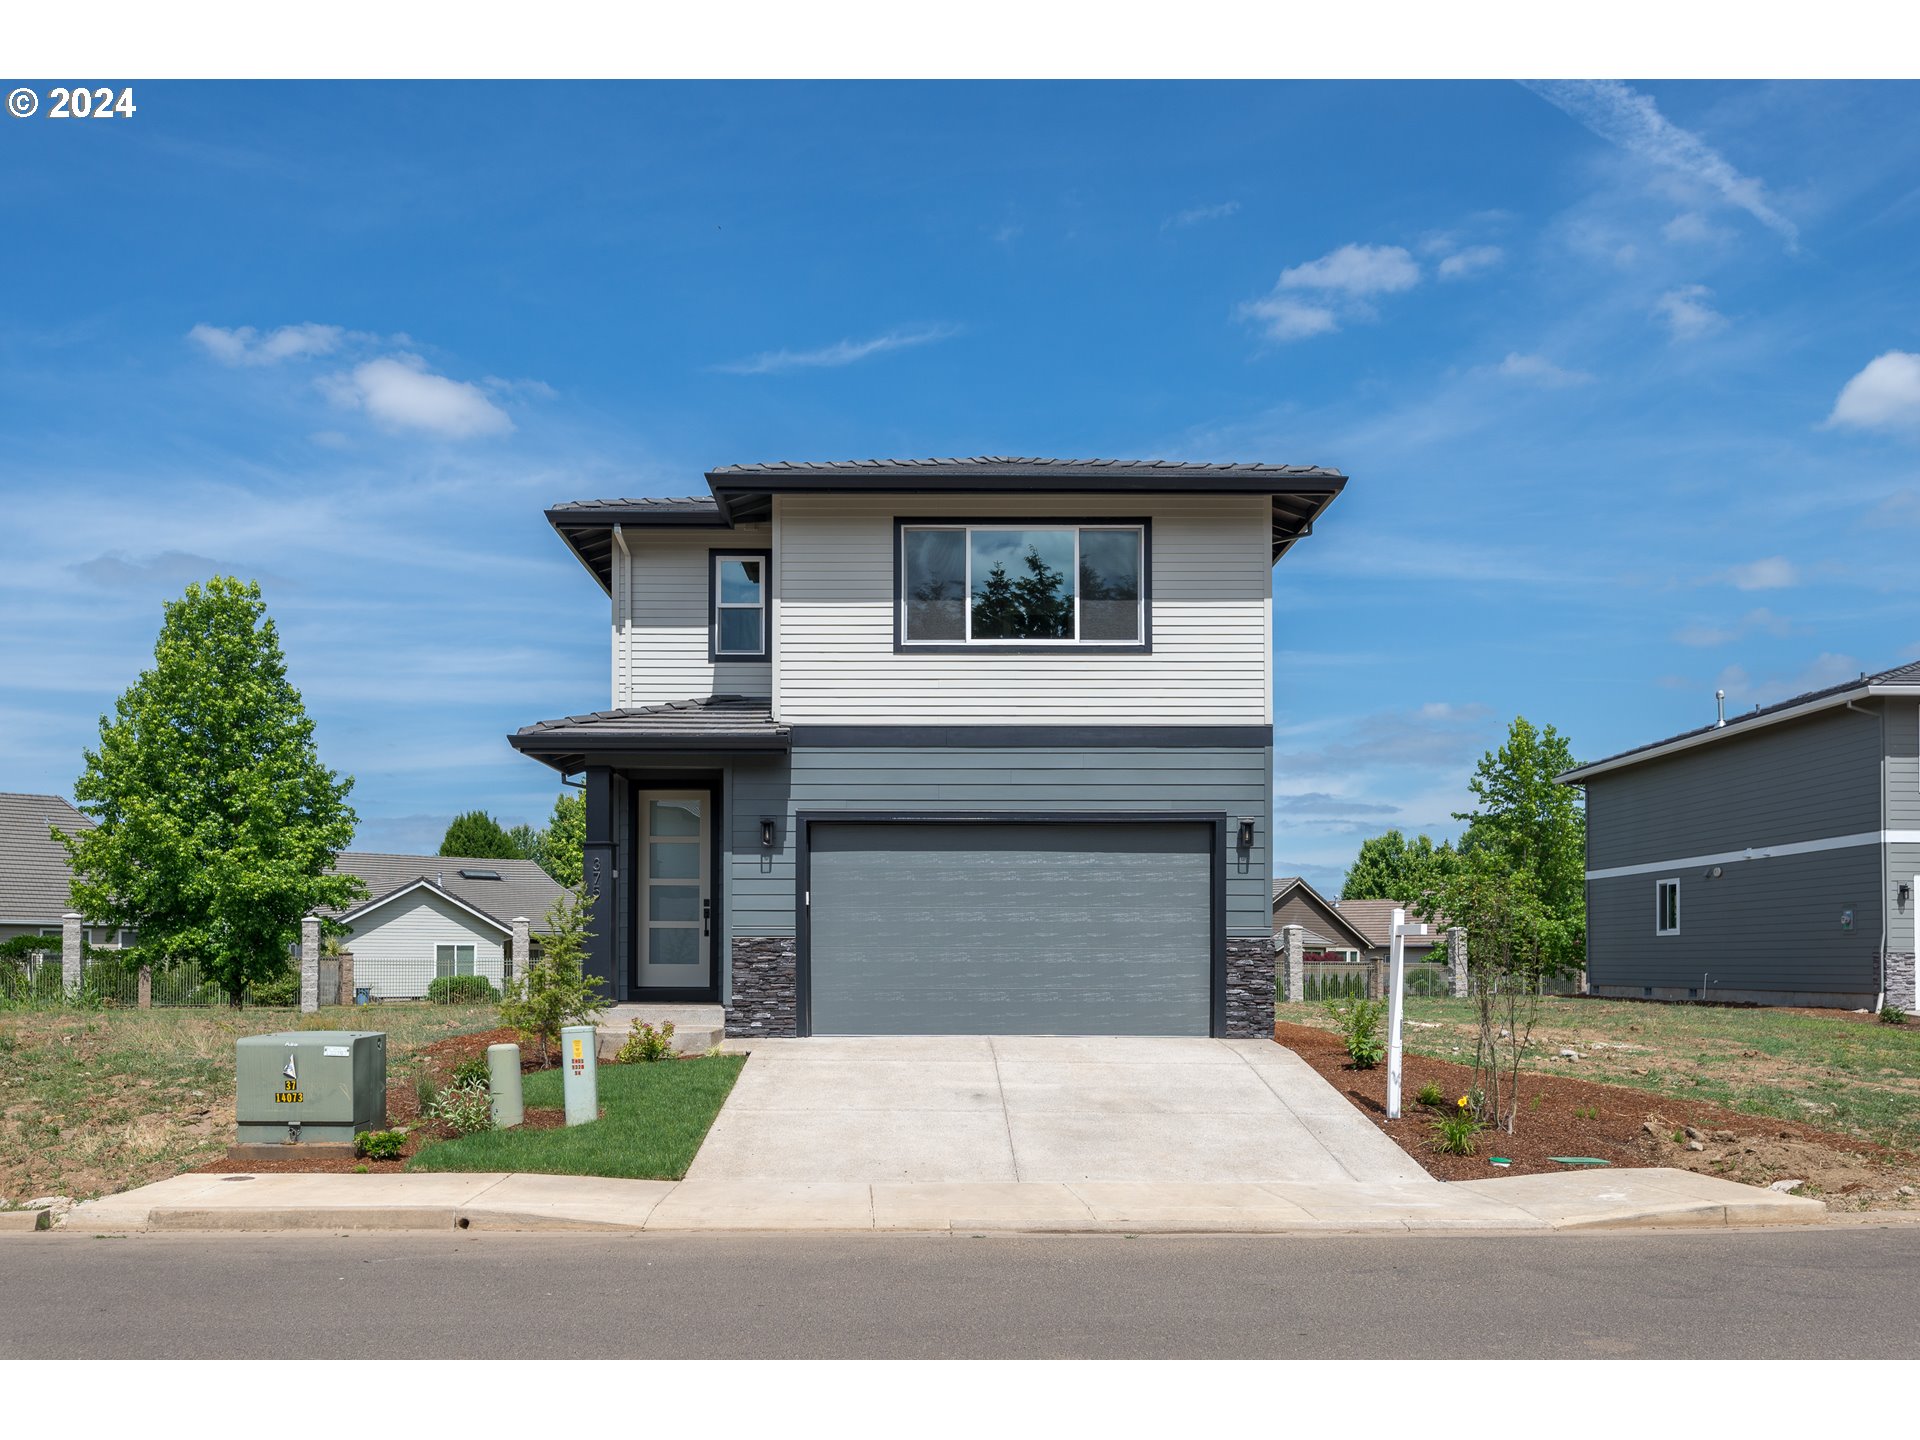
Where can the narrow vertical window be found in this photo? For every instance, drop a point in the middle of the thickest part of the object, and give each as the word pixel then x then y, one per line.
pixel 739 607
pixel 1667 908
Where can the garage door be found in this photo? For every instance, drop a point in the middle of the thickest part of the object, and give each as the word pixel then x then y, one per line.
pixel 994 929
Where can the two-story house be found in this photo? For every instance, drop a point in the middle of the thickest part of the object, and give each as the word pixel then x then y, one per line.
pixel 969 746
pixel 1771 857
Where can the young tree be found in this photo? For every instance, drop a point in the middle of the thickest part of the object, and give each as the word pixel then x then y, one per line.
pixel 1044 612
pixel 559 851
pixel 476 835
pixel 215 822
pixel 555 991
pixel 1388 868
pixel 996 611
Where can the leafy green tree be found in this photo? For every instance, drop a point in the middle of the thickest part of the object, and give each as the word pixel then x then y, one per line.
pixel 525 841
pixel 555 991
pixel 476 835
pixel 560 844
pixel 1389 868
pixel 215 823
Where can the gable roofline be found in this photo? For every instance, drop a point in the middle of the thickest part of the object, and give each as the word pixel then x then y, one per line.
pixel 1903 681
pixel 378 901
pixel 1287 884
pixel 743 494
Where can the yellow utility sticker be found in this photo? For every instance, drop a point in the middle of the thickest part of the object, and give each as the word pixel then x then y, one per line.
pixel 290 1097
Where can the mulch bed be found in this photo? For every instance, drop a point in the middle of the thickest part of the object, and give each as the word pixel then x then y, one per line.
pixel 1560 1115
pixel 438 1060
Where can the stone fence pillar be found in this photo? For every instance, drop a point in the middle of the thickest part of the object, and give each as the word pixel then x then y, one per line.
pixel 309 964
pixel 72 948
pixel 520 954
pixel 1457 960
pixel 146 987
pixel 1293 964
pixel 346 977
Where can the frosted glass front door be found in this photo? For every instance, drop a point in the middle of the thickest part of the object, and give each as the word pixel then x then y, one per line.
pixel 675 918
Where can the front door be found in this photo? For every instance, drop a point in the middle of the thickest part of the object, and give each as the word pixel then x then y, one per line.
pixel 676 906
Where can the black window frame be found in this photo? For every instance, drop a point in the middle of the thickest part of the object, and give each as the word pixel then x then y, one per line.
pixel 1076 646
pixel 715 655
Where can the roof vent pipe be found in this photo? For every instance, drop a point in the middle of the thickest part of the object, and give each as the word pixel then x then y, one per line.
pixel 1719 709
pixel 438 880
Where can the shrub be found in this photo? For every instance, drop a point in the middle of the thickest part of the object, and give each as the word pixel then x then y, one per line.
pixel 462 990
pixel 1359 1022
pixel 464 1109
pixel 473 1073
pixel 1892 1015
pixel 1431 1096
pixel 281 991
pixel 1457 1134
pixel 379 1144
pixel 646 1043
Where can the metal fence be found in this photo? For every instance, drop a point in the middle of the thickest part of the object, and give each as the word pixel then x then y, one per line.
pixel 116 980
pixel 1347 980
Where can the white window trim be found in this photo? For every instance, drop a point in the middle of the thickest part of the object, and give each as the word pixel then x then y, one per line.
pixel 1659 906
pixel 456 947
pixel 966 532
pixel 761 650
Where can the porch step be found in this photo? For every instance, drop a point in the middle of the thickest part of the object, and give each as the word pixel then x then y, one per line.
pixel 696 1028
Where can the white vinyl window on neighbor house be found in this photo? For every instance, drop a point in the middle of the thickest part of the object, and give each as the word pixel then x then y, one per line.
pixel 452 960
pixel 1666 907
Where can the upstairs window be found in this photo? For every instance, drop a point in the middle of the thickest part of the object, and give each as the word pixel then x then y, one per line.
pixel 1666 907
pixel 739 589
pixel 1014 585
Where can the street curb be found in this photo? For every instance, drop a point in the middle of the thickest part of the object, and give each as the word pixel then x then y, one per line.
pixel 24 1222
pixel 341 1217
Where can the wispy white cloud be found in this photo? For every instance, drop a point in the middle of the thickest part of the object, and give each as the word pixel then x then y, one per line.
pixel 1313 298
pixel 1692 228
pixel 245 345
pixel 1624 117
pixel 1538 370
pixel 1470 261
pixel 1755 622
pixel 841 352
pixel 1885 395
pixel 400 392
pixel 1200 214
pixel 1687 314
pixel 1775 572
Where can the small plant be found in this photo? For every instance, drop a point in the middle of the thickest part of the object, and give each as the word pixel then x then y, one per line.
pixel 379 1144
pixel 1892 1015
pixel 465 1109
pixel 461 990
pixel 1359 1024
pixel 472 1073
pixel 1457 1134
pixel 1431 1096
pixel 645 1043
pixel 363 1169
pixel 714 1052
pixel 425 1092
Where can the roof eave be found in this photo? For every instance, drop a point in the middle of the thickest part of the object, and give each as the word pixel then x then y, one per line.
pixel 1580 774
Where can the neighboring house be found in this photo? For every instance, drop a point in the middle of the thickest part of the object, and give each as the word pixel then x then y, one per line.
pixel 34 874
pixel 430 915
pixel 939 747
pixel 1773 857
pixel 1351 930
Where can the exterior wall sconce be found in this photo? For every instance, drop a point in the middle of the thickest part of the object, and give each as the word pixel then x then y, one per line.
pixel 1713 873
pixel 1246 835
pixel 1906 891
pixel 766 834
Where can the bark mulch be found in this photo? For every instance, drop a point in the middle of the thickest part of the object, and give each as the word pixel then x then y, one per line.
pixel 1564 1116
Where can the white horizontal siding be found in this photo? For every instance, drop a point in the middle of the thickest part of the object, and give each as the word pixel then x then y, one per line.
pixel 834 623
pixel 393 947
pixel 660 638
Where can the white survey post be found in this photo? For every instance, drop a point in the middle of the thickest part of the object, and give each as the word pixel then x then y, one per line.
pixel 1396 1004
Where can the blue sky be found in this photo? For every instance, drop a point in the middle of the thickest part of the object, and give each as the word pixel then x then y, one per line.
pixel 1624 375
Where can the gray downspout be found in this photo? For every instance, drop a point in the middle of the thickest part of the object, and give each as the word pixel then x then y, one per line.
pixel 1886 858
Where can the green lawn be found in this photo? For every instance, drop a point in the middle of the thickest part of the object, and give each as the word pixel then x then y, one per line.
pixel 652 1120
pixel 1840 1072
pixel 97 1101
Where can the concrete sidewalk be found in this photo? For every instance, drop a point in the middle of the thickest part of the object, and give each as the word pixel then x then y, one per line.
pixel 1585 1199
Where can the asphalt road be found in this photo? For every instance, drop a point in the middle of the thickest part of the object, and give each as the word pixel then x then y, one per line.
pixel 1841 1292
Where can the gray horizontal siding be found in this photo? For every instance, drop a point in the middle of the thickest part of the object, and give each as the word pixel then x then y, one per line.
pixel 1763 925
pixel 1903 868
pixel 1234 781
pixel 1803 780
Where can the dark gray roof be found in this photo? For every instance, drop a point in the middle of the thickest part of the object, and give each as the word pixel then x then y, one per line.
pixel 744 493
pixel 1907 675
pixel 717 722
pixel 33 868
pixel 522 889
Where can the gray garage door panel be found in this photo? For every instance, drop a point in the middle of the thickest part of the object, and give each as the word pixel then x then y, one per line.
pixel 982 929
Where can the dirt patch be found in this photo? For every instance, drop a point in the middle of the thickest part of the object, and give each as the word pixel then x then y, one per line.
pixel 1563 1116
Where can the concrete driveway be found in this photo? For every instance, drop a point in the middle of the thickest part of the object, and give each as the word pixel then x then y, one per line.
pixel 973 1109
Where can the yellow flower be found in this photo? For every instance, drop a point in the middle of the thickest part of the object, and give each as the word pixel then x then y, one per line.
pixel 1463 1102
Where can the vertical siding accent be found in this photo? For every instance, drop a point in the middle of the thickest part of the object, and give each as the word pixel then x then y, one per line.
pixel 393 947
pixel 1212 595
pixel 661 607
